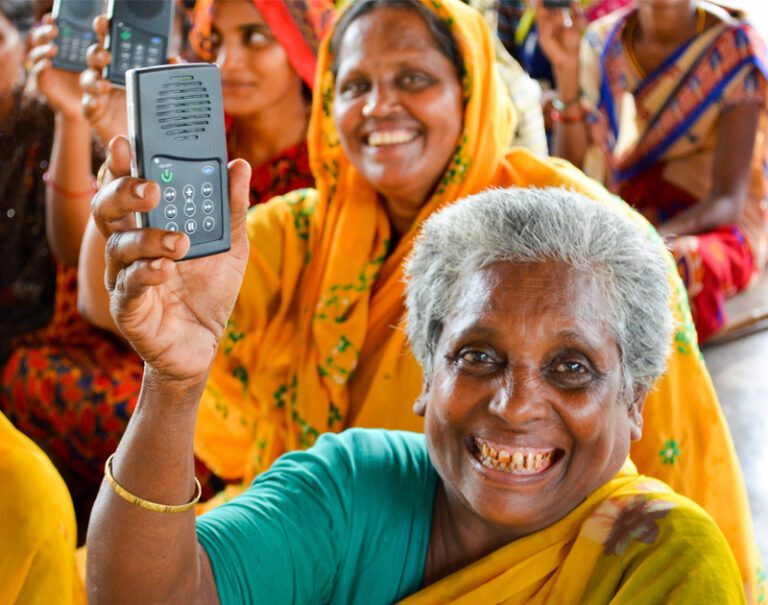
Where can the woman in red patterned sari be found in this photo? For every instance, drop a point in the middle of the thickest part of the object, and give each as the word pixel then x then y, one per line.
pixel 670 111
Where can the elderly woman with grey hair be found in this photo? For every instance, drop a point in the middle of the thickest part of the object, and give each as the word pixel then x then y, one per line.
pixel 541 319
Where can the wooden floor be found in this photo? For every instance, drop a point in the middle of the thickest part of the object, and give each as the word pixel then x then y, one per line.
pixel 739 370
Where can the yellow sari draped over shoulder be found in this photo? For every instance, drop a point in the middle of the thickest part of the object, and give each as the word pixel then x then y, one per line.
pixel 633 541
pixel 314 343
pixel 37 527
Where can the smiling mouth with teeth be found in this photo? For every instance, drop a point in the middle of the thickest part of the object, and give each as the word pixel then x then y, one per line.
pixel 516 461
pixel 380 138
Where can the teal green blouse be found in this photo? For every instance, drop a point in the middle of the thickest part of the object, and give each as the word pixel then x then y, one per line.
pixel 347 521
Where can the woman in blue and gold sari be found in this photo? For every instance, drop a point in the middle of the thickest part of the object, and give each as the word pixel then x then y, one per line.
pixel 669 110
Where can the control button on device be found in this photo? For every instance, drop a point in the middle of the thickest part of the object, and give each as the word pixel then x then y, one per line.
pixel 189 208
pixel 169 194
pixel 189 191
pixel 171 227
pixel 207 206
pixel 209 223
pixel 171 211
pixel 206 189
pixel 166 175
pixel 190 226
pixel 208 170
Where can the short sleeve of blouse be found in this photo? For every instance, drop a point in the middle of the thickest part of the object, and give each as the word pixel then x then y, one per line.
pixel 346 521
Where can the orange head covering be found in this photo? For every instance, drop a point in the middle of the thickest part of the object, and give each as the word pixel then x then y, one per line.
pixel 298 25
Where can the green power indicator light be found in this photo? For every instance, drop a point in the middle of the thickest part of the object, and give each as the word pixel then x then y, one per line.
pixel 66 32
pixel 166 176
pixel 125 34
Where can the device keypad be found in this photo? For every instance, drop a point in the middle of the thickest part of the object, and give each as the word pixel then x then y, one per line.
pixel 136 48
pixel 190 197
pixel 73 43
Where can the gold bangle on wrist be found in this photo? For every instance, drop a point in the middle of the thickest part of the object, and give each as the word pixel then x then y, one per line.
pixel 146 504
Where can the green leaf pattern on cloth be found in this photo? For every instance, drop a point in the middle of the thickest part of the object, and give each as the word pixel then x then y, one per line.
pixel 670 452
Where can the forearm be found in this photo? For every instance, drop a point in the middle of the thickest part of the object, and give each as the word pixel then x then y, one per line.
pixel 705 216
pixel 70 187
pixel 140 556
pixel 736 133
pixel 571 135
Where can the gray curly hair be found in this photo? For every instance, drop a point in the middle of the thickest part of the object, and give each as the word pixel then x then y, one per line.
pixel 534 225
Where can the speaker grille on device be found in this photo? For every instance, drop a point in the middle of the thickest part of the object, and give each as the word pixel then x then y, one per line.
pixel 145 9
pixel 183 108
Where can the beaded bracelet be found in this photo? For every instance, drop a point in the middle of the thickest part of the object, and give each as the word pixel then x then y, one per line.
pixel 146 504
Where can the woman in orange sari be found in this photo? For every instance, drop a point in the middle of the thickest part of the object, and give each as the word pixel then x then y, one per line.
pixel 313 343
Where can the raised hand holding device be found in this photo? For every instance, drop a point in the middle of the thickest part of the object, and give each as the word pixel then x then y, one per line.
pixel 73 19
pixel 176 126
pixel 139 35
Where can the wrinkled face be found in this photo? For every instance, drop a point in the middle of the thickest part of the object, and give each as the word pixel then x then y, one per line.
pixel 255 71
pixel 11 57
pixel 523 412
pixel 398 104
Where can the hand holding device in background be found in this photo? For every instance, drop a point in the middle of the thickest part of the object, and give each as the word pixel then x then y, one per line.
pixel 103 104
pixel 565 5
pixel 59 87
pixel 139 35
pixel 70 174
pixel 73 20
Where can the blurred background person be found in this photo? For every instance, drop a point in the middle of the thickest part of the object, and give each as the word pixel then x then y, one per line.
pixel 666 104
pixel 27 272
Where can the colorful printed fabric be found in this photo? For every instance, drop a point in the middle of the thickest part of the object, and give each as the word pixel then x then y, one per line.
pixel 655 141
pixel 37 534
pixel 288 171
pixel 313 343
pixel 713 266
pixel 632 541
pixel 282 174
pixel 72 388
pixel 298 25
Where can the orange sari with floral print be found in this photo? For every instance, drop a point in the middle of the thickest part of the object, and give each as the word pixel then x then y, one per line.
pixel 631 541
